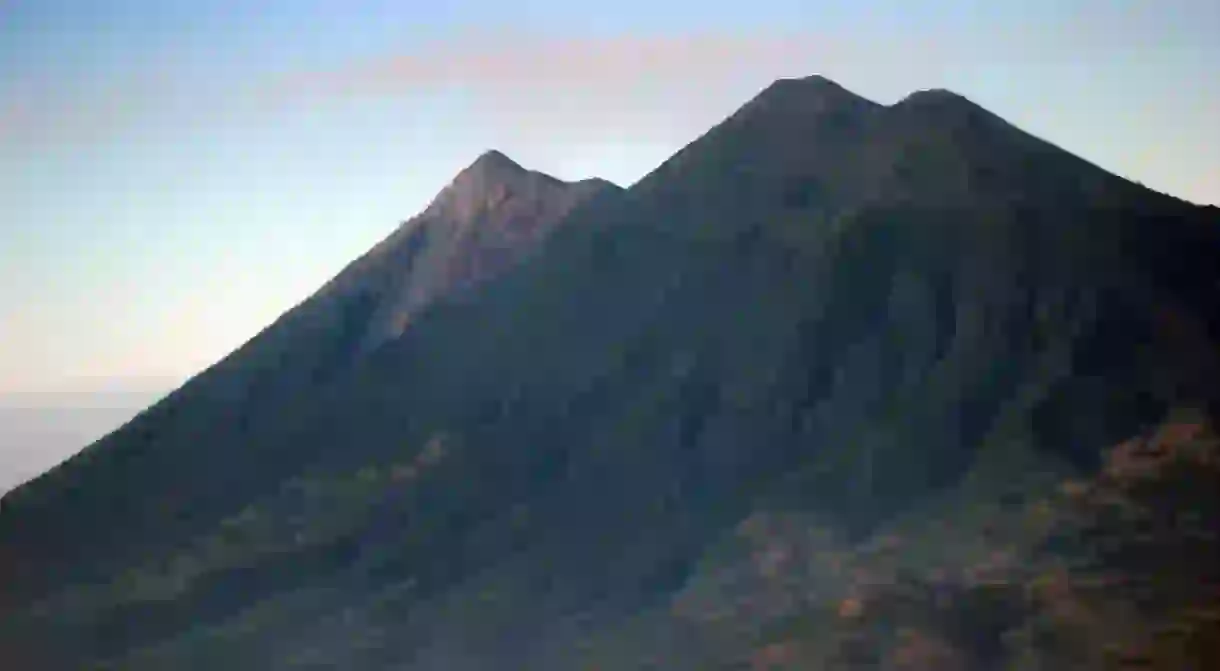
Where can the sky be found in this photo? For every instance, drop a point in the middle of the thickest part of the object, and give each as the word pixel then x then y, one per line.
pixel 174 174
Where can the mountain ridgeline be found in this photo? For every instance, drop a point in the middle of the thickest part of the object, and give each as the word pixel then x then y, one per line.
pixel 550 425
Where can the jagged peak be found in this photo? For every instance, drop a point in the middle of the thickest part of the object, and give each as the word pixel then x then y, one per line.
pixel 491 171
pixel 494 160
pixel 492 176
pixel 492 166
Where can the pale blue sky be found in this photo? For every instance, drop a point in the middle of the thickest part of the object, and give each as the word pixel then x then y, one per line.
pixel 174 174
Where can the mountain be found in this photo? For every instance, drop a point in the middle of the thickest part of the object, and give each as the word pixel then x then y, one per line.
pixel 494 214
pixel 823 368
pixel 490 217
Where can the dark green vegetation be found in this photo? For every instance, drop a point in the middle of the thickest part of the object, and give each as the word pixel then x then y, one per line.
pixel 804 395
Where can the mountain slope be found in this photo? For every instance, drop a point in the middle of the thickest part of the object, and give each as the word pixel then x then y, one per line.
pixel 494 214
pixel 823 309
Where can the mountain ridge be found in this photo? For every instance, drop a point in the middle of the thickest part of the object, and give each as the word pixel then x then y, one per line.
pixel 822 310
pixel 369 300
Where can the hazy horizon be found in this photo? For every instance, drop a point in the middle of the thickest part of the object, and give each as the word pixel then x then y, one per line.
pixel 39 429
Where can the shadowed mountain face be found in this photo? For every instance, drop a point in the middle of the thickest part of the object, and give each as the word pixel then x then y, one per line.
pixel 823 324
pixel 493 214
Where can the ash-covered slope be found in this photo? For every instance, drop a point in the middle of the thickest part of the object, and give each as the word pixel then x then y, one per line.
pixel 824 308
pixel 491 216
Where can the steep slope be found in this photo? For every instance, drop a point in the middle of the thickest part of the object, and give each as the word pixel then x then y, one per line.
pixel 494 214
pixel 490 217
pixel 823 309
